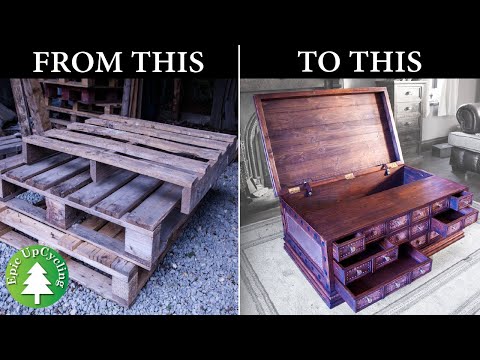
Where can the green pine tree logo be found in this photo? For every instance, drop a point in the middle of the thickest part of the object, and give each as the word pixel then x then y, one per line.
pixel 37 283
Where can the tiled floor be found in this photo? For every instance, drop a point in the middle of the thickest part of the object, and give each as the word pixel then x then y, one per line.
pixel 442 168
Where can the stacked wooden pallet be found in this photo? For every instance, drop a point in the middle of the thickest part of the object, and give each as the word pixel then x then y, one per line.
pixel 74 100
pixel 117 191
pixel 10 145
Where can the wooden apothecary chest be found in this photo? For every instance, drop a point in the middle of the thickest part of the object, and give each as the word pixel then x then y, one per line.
pixel 358 223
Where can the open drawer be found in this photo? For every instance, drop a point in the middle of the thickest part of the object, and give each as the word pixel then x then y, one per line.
pixel 471 216
pixel 448 222
pixel 375 256
pixel 410 265
pixel 461 200
pixel 348 246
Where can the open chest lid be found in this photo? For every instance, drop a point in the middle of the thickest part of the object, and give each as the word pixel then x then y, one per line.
pixel 312 136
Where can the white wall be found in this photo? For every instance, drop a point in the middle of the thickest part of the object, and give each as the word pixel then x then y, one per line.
pixel 436 127
pixel 357 83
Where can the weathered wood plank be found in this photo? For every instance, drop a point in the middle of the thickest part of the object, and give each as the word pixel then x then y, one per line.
pixel 128 197
pixel 16 240
pixel 167 135
pixel 145 167
pixel 59 174
pixel 99 171
pixel 61 215
pixel 93 193
pixel 156 156
pixel 21 107
pixel 70 242
pixel 32 154
pixel 107 243
pixel 171 128
pixel 25 172
pixel 36 103
pixel 94 223
pixel 11 163
pixel 111 230
pixel 156 207
pixel 71 185
pixel 170 146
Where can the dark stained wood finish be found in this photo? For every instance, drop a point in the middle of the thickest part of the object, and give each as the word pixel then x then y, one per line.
pixel 318 135
pixel 354 236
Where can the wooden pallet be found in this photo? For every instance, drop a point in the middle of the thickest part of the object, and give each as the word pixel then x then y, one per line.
pixel 10 145
pixel 143 190
pixel 107 274
pixel 86 95
pixel 66 112
pixel 189 158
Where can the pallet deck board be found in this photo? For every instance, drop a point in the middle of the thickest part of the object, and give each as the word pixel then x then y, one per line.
pixel 160 157
pixel 59 174
pixel 155 208
pixel 71 185
pixel 11 163
pixel 140 166
pixel 161 134
pixel 25 172
pixel 128 197
pixel 170 146
pixel 93 193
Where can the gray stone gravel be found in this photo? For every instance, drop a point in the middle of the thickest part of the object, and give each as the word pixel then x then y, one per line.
pixel 198 276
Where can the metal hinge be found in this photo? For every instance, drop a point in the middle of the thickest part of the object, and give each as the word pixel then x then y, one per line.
pixel 308 188
pixel 294 190
pixel 389 166
pixel 350 176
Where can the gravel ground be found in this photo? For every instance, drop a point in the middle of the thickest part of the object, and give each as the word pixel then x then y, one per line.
pixel 198 276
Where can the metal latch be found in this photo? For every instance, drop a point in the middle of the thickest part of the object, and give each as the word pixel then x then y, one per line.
pixel 308 189
pixel 350 176
pixel 389 166
pixel 294 190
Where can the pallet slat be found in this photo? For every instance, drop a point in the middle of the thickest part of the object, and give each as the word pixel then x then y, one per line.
pixel 71 185
pixel 58 174
pixel 25 172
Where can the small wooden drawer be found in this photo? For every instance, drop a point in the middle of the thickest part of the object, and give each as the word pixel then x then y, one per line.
pixel 386 258
pixel 410 135
pixel 440 205
pixel 408 109
pixel 396 284
pixel 399 237
pixel 420 214
pixel 373 232
pixel 471 216
pixel 419 242
pixel 408 93
pixel 410 265
pixel 448 222
pixel 397 223
pixel 419 228
pixel 421 270
pixel 374 256
pixel 347 247
pixel 358 271
pixel 461 201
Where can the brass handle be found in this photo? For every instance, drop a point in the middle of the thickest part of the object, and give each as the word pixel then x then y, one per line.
pixel 352 248
pixel 397 285
pixel 422 271
pixel 369 300
pixel 408 108
pixel 387 258
pixel 359 272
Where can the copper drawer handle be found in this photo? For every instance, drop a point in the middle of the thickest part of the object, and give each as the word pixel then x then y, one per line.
pixel 352 249
pixel 359 272
pixel 422 271
pixel 397 285
pixel 369 300
pixel 387 258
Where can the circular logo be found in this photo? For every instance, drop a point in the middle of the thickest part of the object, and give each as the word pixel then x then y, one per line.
pixel 37 276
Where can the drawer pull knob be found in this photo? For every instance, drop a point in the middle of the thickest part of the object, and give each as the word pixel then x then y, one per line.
pixel 408 108
pixel 408 93
pixel 369 300
pixel 408 123
pixel 397 285
pixel 422 271
pixel 352 249
pixel 359 272
pixel 387 258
